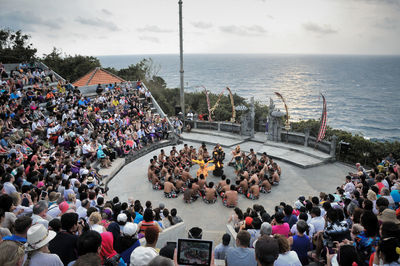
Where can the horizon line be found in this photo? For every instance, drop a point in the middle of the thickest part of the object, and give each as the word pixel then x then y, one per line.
pixel 308 54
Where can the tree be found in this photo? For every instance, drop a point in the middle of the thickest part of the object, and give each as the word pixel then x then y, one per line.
pixel 68 66
pixel 15 47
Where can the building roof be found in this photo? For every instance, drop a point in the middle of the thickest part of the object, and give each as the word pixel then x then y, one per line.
pixel 97 76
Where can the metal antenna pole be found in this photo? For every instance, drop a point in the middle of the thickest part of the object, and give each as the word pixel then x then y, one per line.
pixel 182 92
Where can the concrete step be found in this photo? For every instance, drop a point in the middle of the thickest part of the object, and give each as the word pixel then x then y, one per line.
pixel 219 134
pixel 211 139
pixel 288 152
pixel 116 165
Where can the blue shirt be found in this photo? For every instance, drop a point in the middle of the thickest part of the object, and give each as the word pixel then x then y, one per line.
pixel 15 238
pixel 138 218
pixel 220 252
pixel 240 257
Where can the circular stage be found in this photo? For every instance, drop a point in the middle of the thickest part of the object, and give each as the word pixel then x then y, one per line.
pixel 132 181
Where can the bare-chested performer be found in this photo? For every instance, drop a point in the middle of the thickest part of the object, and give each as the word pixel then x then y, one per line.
pixel 221 183
pixel 225 188
pixel 243 186
pixel 169 189
pixel 231 198
pixel 210 194
pixel 189 195
pixel 274 177
pixel 186 177
pixel 265 186
pixel 254 191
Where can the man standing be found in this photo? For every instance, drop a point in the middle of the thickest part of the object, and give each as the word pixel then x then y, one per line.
pixel 242 254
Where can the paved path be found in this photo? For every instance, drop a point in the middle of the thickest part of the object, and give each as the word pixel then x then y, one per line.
pixel 131 181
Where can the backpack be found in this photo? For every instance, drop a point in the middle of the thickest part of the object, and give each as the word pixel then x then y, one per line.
pixel 113 261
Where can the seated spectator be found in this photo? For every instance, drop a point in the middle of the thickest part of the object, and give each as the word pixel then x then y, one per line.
pixel 40 213
pixel 142 255
pixel 107 254
pixel 279 226
pixel 176 219
pixel 128 242
pixel 286 256
pixel 21 227
pixel 289 218
pixel 242 254
pixel 367 241
pixel 148 221
pixel 221 249
pixel 11 253
pixel 266 251
pixel 64 243
pixel 89 259
pixel 167 220
pixel 300 243
pixel 95 222
pixel 38 238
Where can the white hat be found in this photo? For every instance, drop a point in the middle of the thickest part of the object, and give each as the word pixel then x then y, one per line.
pixel 38 236
pixel 142 255
pixel 130 229
pixel 122 217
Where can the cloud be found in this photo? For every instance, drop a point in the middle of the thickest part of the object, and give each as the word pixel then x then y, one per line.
pixel 153 28
pixel 254 30
pixel 149 39
pixel 270 16
pixel 319 29
pixel 107 12
pixel 97 22
pixel 387 23
pixel 28 21
pixel 381 2
pixel 202 25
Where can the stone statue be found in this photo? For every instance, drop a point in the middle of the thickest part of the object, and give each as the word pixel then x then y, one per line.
pixel 271 106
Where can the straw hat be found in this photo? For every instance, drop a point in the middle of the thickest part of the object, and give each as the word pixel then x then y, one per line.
pixel 389 215
pixel 38 236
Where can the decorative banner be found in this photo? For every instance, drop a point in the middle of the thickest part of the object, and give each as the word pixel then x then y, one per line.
pixel 208 104
pixel 233 105
pixel 211 110
pixel 324 119
pixel 287 124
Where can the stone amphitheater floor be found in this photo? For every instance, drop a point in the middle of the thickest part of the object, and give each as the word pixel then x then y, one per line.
pixel 131 181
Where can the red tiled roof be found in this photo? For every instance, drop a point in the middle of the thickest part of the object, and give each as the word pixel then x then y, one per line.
pixel 97 76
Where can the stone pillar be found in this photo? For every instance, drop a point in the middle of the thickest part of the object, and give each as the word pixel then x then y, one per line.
pixel 219 126
pixel 333 146
pixel 306 136
pixel 195 124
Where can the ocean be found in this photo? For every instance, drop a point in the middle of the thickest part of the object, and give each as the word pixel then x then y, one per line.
pixel 362 92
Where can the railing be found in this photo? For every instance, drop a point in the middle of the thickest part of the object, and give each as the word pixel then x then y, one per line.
pixel 43 66
pixel 309 141
pixel 215 125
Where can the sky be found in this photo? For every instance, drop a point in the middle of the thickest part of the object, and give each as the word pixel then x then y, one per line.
pixel 119 27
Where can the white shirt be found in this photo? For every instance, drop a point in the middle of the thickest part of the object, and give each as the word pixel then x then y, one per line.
pixel 82 212
pixel 349 187
pixel 36 219
pixel 86 148
pixel 9 188
pixel 53 211
pixel 289 258
pixel 311 230
pixel 318 222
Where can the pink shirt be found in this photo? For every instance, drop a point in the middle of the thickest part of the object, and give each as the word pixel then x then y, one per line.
pixel 281 229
